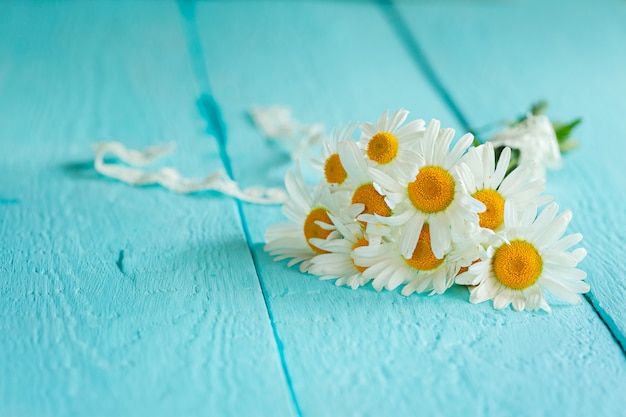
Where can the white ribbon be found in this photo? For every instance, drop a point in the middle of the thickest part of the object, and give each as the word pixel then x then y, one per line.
pixel 277 124
pixel 170 178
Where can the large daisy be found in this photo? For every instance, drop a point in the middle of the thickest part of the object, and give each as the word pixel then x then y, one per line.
pixel 436 195
pixel 308 209
pixel 390 147
pixel 486 182
pixel 532 257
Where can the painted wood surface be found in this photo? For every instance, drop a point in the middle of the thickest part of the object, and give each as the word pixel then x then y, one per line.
pixel 126 301
pixel 118 300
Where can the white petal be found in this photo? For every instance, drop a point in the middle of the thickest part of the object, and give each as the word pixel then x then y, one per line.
pixel 567 242
pixel 465 175
pixel 502 299
pixel 554 231
pixel 438 280
pixel 395 279
pixel 503 165
pixel 459 148
pixel 560 258
pixel 430 136
pixel 510 215
pixel 352 160
pixel 410 235
pixel 381 123
pixel 439 234
pixel 397 119
pixel 385 181
pixel 579 254
pixel 546 216
pixel 518 301
pixel 442 146
pixel 560 291
pixel 398 220
pixel 516 178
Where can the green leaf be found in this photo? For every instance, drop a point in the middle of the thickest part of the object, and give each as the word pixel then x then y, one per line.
pixel 563 131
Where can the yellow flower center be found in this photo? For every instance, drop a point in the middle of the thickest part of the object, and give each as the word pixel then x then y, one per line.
pixel 423 258
pixel 494 215
pixel 374 202
pixel 358 244
pixel 382 147
pixel 432 190
pixel 334 171
pixel 517 265
pixel 311 229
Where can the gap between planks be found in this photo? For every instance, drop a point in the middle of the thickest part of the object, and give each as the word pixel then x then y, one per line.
pixel 210 110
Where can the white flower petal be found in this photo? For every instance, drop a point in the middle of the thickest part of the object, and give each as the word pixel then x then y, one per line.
pixel 579 254
pixel 567 242
pixel 501 168
pixel 410 235
pixel 439 234
pixel 459 148
pixel 385 181
pixel 560 291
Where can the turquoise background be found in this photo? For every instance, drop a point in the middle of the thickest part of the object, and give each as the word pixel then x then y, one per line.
pixel 117 300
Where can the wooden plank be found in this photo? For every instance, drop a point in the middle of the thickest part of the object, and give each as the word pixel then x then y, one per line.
pixel 362 352
pixel 118 300
pixel 497 58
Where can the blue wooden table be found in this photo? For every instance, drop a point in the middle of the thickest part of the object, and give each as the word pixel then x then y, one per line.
pixel 119 300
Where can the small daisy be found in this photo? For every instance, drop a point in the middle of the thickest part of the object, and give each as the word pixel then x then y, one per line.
pixel 339 262
pixel 533 258
pixel 308 211
pixel 436 195
pixel 362 189
pixel 392 148
pixel 334 172
pixel 486 182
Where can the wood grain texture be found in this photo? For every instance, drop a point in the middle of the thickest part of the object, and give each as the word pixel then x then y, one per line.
pixel 497 58
pixel 124 301
pixel 118 300
pixel 362 352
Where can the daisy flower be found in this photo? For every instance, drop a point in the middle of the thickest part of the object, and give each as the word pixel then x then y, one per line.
pixel 533 258
pixel 536 139
pixel 308 209
pixel 362 189
pixel 390 147
pixel 334 172
pixel 486 182
pixel 436 195
pixel 339 261
pixel 423 271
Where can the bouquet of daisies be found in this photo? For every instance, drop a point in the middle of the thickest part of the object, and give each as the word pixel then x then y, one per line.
pixel 401 206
